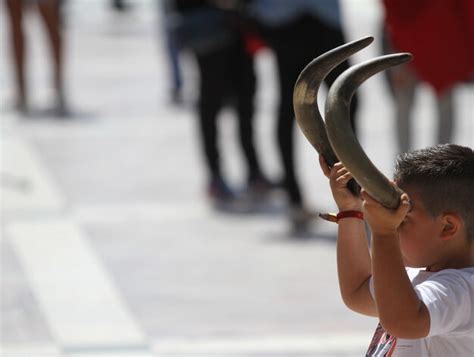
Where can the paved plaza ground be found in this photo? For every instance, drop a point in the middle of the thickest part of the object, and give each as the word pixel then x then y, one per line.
pixel 108 244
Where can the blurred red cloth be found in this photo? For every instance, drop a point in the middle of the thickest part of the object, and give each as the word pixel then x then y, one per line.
pixel 440 35
pixel 253 43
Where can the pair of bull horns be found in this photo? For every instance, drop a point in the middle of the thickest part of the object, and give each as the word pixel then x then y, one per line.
pixel 334 139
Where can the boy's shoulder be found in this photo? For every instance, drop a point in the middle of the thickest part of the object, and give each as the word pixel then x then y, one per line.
pixel 448 296
pixel 464 276
pixel 413 272
pixel 465 273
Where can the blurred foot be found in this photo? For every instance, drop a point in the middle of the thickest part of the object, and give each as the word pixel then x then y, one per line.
pixel 61 112
pixel 21 106
pixel 259 187
pixel 219 191
pixel 58 111
pixel 176 97
pixel 301 219
pixel 61 109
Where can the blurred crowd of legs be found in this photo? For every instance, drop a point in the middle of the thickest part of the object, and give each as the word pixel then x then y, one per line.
pixel 224 37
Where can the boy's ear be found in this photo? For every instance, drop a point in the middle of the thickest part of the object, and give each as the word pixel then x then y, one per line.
pixel 452 224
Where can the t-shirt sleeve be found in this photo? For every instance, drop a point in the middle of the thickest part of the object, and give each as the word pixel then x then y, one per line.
pixel 449 299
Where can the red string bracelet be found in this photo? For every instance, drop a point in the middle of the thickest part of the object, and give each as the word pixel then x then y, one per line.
pixel 350 214
pixel 332 217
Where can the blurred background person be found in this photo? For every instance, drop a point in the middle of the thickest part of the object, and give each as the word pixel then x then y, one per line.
pixel 212 31
pixel 50 14
pixel 440 35
pixel 169 18
pixel 403 83
pixel 298 31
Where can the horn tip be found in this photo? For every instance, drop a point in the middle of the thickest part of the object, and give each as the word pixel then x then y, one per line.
pixel 368 39
pixel 365 41
pixel 406 56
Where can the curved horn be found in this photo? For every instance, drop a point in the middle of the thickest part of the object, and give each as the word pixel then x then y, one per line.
pixel 305 95
pixel 340 134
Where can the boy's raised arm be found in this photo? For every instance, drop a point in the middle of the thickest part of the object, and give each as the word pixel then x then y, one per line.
pixel 400 311
pixel 353 258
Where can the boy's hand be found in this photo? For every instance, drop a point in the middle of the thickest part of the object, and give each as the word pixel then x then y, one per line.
pixel 384 221
pixel 338 179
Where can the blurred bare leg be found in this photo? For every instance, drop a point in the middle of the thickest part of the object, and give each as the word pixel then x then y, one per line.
pixel 15 12
pixel 50 14
pixel 404 85
pixel 404 99
pixel 445 108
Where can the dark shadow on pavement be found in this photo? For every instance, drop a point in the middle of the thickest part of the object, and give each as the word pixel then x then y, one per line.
pixel 309 236
pixel 53 115
pixel 244 206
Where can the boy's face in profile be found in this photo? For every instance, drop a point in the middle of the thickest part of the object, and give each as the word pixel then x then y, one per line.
pixel 419 234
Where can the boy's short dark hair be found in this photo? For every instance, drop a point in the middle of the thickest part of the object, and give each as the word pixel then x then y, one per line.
pixel 444 177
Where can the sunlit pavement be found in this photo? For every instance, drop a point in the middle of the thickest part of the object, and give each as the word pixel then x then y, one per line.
pixel 109 247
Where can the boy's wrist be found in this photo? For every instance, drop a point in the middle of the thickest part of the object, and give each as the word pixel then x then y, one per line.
pixel 350 214
pixel 353 207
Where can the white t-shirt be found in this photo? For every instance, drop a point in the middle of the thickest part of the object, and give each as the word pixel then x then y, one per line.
pixel 449 297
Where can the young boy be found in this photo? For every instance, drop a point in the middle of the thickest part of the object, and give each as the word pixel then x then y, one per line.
pixel 419 278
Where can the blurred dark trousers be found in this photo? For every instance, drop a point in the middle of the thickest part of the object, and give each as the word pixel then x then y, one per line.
pixel 295 45
pixel 227 77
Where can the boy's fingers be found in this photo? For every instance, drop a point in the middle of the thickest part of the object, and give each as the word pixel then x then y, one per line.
pixel 341 171
pixel 337 172
pixel 344 178
pixel 405 203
